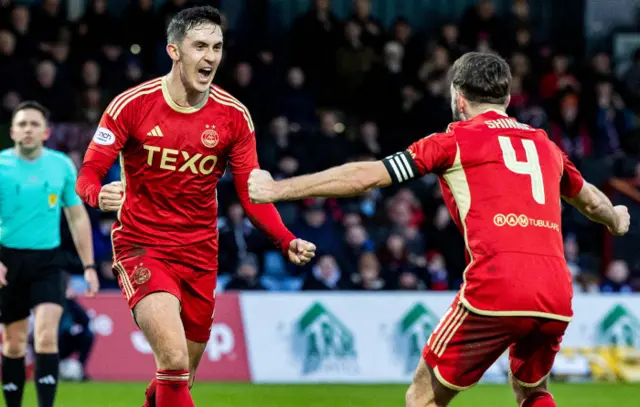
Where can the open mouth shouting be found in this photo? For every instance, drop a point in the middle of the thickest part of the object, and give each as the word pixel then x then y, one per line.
pixel 205 74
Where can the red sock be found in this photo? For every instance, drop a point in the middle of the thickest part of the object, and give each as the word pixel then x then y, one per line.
pixel 539 399
pixel 150 394
pixel 172 389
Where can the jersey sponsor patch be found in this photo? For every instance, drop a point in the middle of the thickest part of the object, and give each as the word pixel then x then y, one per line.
pixel 104 137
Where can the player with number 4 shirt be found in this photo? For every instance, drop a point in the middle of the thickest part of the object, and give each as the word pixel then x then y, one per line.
pixel 500 181
pixel 503 182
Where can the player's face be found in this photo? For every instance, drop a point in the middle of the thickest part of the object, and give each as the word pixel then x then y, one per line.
pixel 29 130
pixel 199 56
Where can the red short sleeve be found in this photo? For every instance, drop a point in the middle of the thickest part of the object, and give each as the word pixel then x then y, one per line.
pixel 434 153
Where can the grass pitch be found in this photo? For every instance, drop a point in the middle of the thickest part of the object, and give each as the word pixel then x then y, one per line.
pixel 250 395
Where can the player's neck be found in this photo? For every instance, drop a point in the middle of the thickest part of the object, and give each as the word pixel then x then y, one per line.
pixel 482 109
pixel 178 92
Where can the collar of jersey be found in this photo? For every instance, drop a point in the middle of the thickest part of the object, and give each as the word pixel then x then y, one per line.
pixel 175 106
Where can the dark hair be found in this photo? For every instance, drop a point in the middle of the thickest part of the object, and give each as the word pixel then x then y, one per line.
pixel 190 18
pixel 482 78
pixel 31 104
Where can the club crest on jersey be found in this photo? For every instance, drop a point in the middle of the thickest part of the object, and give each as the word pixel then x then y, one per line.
pixel 210 136
pixel 141 274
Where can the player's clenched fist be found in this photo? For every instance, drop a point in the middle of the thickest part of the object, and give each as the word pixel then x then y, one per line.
pixel 622 220
pixel 111 196
pixel 261 187
pixel 301 252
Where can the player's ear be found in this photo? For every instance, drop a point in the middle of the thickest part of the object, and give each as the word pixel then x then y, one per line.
pixel 173 51
pixel 461 102
pixel 47 133
pixel 508 101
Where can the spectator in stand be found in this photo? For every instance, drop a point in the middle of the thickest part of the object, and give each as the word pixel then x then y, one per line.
pixel 11 65
pixel 238 239
pixel 570 131
pixel 613 120
pixel 617 278
pixel 326 275
pixel 369 274
pixel 314 38
pixel 480 23
pixel 358 243
pixel 450 39
pixel 373 32
pixel 295 101
pixel 632 79
pixel 559 79
pixel 354 60
pixel 246 276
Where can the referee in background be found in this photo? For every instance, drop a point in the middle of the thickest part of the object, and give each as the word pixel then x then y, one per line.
pixel 35 183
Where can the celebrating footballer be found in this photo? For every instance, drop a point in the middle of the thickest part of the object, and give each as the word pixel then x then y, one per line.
pixel 175 137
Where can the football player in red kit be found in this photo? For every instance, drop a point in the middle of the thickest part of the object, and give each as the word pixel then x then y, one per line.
pixel 175 136
pixel 502 182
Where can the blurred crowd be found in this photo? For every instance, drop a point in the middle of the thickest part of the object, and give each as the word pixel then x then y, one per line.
pixel 334 91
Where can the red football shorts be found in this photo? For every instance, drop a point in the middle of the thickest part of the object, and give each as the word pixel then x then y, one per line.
pixel 464 345
pixel 140 276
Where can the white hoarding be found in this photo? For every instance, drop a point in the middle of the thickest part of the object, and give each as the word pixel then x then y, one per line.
pixel 378 337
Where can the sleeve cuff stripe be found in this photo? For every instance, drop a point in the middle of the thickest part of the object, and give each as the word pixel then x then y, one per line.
pixel 398 161
pixel 407 166
pixel 395 169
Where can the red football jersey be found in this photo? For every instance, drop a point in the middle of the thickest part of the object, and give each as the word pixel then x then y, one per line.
pixel 502 182
pixel 172 159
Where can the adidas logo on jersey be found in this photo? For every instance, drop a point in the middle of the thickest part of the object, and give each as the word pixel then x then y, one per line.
pixel 47 380
pixel 155 132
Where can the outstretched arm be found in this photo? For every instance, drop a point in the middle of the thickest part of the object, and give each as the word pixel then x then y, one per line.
pixel 596 206
pixel 591 201
pixel 342 181
pixel 429 154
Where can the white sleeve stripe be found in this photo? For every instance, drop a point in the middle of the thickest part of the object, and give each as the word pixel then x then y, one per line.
pixel 401 165
pixel 395 169
pixel 407 166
